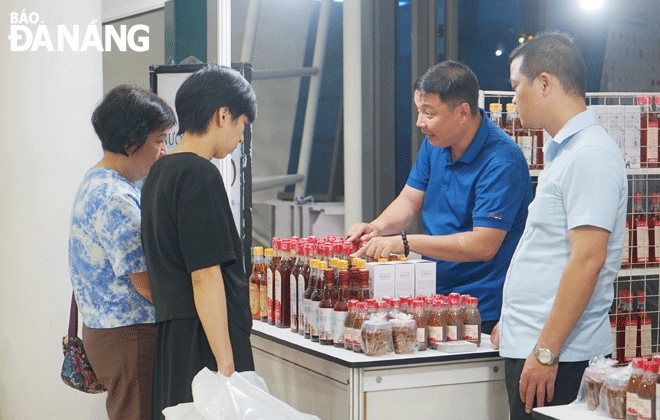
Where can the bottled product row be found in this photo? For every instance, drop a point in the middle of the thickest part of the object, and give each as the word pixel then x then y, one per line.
pixel 628 392
pixel 633 127
pixel 328 299
pixel 631 328
pixel 283 274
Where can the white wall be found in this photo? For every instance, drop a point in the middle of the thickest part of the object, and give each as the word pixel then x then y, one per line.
pixel 46 100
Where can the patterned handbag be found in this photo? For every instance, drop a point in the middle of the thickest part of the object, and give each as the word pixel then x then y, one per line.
pixel 76 370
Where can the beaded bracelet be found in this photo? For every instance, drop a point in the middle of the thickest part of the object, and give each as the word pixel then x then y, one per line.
pixel 406 249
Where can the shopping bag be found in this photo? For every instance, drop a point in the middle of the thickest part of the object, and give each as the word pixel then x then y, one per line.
pixel 243 396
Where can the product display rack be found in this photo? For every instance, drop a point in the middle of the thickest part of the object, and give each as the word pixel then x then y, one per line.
pixel 620 114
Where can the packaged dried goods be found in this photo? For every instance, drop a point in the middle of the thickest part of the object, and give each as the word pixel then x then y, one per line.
pixel 613 392
pixel 404 335
pixel 593 380
pixel 377 337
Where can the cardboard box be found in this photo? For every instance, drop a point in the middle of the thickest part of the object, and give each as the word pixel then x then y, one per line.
pixel 425 272
pixel 381 279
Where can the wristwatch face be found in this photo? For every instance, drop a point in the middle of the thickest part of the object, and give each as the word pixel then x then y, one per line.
pixel 545 356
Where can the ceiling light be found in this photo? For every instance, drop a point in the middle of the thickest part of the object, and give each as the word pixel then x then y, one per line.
pixel 591 4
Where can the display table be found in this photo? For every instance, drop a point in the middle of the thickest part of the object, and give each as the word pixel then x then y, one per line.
pixel 337 384
pixel 567 412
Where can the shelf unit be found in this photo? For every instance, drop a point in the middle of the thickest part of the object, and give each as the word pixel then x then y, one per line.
pixel 620 115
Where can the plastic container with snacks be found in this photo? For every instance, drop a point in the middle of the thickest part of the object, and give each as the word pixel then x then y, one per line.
pixel 404 334
pixel 377 337
pixel 593 380
pixel 613 393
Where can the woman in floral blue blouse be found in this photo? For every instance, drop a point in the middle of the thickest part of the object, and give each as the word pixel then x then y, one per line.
pixel 106 261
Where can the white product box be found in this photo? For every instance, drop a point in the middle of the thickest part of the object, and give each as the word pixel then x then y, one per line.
pixel 404 278
pixel 381 279
pixel 425 272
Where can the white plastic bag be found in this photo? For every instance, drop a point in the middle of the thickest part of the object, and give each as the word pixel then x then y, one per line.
pixel 243 396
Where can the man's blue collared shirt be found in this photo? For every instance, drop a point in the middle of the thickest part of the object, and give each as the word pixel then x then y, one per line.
pixel 488 186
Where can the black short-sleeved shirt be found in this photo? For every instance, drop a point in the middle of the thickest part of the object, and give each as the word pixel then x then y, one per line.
pixel 187 224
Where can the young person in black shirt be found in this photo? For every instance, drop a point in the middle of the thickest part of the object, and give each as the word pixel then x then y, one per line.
pixel 193 251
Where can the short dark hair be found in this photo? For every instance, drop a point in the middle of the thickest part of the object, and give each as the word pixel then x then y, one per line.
pixel 209 89
pixel 557 54
pixel 454 82
pixel 127 116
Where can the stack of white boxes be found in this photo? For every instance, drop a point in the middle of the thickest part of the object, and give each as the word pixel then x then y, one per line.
pixel 401 278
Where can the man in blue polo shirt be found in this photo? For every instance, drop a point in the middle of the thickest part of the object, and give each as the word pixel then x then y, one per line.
pixel 470 183
pixel 559 287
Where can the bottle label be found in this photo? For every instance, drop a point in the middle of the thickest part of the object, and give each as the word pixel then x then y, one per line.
pixel 338 335
pixel 421 335
pixel 348 335
pixel 294 302
pixel 452 333
pixel 357 337
pixel 301 302
pixel 642 241
pixel 306 309
pixel 631 403
pixel 652 141
pixel 645 336
pixel 436 334
pixel 630 340
pixel 314 317
pixel 325 323
pixel 263 300
pixel 269 282
pixel 254 300
pixel 278 298
pixel 643 409
pixel 471 332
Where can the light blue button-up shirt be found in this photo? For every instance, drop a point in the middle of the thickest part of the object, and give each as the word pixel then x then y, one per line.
pixel 584 183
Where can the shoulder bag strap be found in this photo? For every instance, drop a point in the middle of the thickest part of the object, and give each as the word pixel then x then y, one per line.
pixel 73 318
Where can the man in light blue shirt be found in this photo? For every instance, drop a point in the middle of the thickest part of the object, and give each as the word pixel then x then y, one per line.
pixel 559 286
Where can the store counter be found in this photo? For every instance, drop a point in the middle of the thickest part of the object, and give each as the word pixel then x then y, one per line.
pixel 337 384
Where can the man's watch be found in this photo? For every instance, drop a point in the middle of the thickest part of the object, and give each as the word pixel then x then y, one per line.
pixel 545 356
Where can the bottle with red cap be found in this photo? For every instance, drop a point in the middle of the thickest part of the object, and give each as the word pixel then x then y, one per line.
pixel 270 277
pixel 454 320
pixel 472 319
pixel 646 398
pixel 348 324
pixel 360 317
pixel 422 323
pixel 437 324
pixel 282 287
pixel 364 292
pixel 297 257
